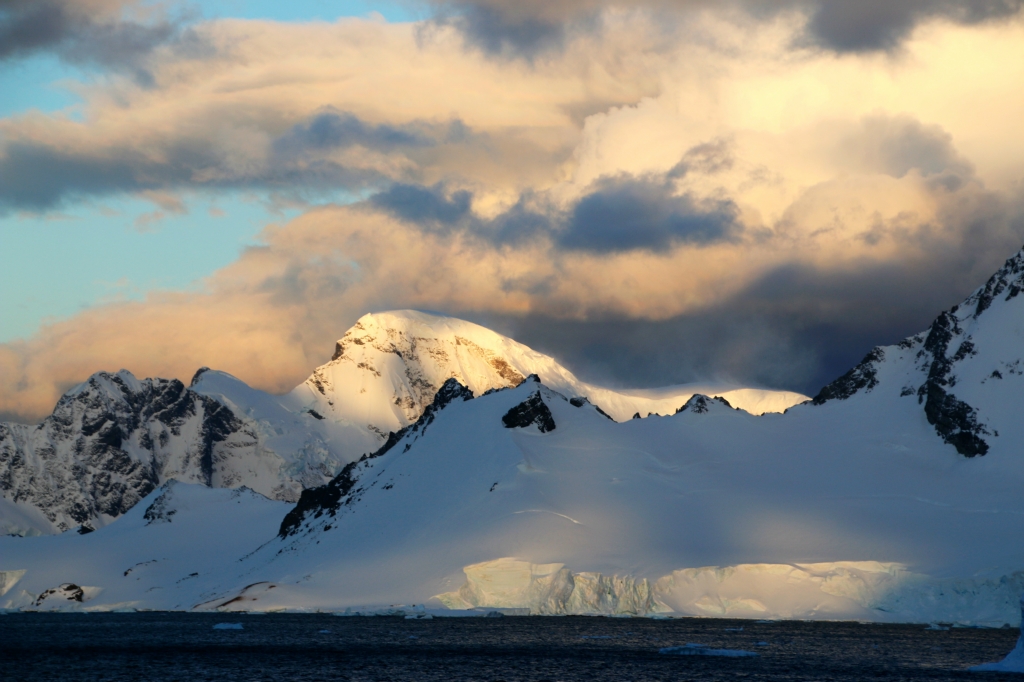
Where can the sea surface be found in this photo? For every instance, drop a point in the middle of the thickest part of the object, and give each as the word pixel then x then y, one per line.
pixel 187 647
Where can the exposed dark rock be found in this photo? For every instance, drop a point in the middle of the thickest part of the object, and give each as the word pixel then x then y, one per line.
pixel 195 377
pixel 580 402
pixel 314 414
pixel 955 421
pixel 69 591
pixel 637 416
pixel 532 411
pixel 862 377
pixel 700 404
pixel 160 510
pixel 1009 278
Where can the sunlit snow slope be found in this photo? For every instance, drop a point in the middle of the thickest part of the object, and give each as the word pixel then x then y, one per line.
pixel 388 367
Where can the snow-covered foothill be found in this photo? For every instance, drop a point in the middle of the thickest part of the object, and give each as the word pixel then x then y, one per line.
pixel 159 555
pixel 1014 661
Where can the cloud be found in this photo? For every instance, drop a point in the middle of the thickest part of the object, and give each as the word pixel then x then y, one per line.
pixel 426 206
pixel 331 129
pixel 116 34
pixel 726 208
pixel 756 311
pixel 869 25
pixel 529 28
pixel 896 145
pixel 330 151
pixel 624 213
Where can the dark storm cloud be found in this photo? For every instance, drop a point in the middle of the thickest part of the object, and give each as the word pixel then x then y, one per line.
pixel 497 31
pixel 330 129
pixel 81 34
pixel 425 206
pixel 797 328
pixel 526 28
pixel 621 213
pixel 628 213
pixel 36 176
pixel 867 25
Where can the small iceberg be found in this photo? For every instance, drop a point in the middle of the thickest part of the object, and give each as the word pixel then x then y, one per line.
pixel 702 650
pixel 227 626
pixel 420 616
pixel 1014 661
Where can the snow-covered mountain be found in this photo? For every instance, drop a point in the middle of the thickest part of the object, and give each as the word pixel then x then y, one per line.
pixel 113 439
pixel 399 360
pixel 894 495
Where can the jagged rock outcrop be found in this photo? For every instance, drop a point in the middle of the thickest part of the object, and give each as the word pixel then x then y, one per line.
pixel 531 412
pixel 114 439
pixel 948 366
pixel 702 404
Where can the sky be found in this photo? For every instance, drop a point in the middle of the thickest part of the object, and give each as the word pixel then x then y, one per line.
pixel 652 191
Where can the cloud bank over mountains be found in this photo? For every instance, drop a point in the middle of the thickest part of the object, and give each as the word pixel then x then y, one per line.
pixel 650 191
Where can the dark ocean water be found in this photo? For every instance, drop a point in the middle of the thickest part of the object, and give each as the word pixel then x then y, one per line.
pixel 175 646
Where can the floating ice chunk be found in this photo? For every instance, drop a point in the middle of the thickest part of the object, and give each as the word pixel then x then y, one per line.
pixel 936 626
pixel 1014 661
pixel 227 626
pixel 734 629
pixel 419 616
pixel 702 650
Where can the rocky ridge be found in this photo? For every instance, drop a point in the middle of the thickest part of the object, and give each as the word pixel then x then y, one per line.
pixel 952 367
